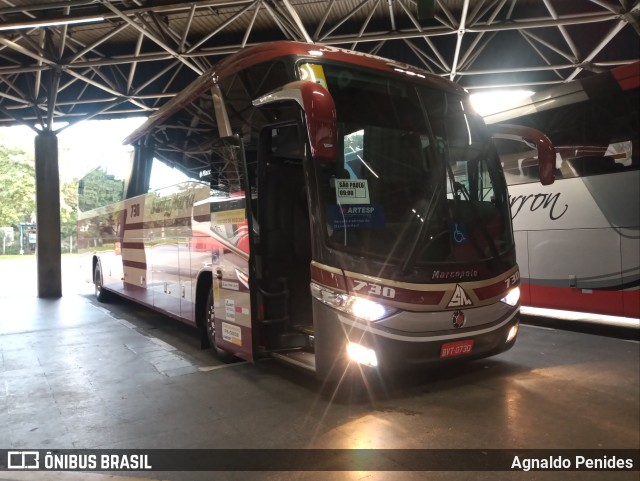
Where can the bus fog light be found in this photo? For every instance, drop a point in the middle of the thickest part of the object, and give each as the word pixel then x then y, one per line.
pixel 362 355
pixel 512 333
pixel 513 297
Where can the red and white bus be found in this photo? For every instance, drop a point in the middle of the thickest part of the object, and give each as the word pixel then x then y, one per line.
pixel 578 240
pixel 341 209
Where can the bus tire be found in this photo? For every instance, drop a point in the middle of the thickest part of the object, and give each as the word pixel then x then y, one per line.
pixel 101 294
pixel 210 329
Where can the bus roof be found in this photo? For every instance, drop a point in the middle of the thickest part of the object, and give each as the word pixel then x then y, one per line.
pixel 272 50
pixel 626 77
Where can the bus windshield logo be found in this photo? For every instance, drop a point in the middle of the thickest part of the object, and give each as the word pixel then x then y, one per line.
pixel 459 298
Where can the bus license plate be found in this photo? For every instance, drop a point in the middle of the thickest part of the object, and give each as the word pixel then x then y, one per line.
pixel 457 348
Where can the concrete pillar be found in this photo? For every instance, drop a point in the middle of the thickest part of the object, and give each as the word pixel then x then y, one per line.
pixel 48 216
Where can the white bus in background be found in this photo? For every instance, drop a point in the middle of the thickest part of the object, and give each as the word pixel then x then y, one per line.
pixel 578 240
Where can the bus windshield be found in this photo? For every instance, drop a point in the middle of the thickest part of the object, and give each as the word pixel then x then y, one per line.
pixel 417 179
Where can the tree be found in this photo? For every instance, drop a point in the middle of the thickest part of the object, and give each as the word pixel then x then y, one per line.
pixel 17 187
pixel 98 188
pixel 68 214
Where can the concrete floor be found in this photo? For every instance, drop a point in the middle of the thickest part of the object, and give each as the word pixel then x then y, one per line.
pixel 78 374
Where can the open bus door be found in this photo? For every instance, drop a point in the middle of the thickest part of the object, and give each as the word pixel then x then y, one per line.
pixel 261 301
pixel 230 308
pixel 281 251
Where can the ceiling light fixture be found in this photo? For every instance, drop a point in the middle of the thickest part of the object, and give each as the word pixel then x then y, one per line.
pixel 50 23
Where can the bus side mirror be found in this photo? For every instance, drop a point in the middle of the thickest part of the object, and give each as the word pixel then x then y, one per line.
pixel 319 110
pixel 546 150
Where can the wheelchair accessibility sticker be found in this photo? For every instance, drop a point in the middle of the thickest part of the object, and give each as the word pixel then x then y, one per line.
pixel 459 233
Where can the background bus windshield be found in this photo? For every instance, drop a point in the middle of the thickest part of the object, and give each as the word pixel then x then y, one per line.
pixel 418 179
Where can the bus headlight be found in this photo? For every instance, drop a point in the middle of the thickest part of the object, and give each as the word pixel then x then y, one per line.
pixel 356 306
pixel 366 309
pixel 512 297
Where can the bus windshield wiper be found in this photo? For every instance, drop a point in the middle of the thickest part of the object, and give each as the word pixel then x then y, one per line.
pixel 459 187
pixel 423 228
pixel 436 192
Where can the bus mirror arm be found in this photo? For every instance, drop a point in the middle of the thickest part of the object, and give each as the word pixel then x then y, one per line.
pixel 546 150
pixel 320 112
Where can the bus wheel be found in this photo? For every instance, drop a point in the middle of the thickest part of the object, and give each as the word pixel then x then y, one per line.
pixel 101 294
pixel 223 355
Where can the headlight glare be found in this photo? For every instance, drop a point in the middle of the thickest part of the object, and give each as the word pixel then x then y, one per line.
pixel 366 309
pixel 513 297
pixel 356 306
pixel 512 332
pixel 362 354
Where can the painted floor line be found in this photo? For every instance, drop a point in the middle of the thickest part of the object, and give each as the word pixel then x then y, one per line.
pixel 539 327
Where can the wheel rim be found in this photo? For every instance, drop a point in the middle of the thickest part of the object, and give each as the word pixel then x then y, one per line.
pixel 98 282
pixel 211 325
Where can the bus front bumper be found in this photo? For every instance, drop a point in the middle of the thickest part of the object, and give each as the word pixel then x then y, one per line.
pixel 340 340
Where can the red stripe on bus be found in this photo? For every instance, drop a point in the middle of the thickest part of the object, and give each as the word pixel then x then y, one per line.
pixel 394 293
pixel 491 291
pixel 612 303
pixel 326 278
pixel 132 245
pixel 134 264
pixel 134 225
pixel 628 76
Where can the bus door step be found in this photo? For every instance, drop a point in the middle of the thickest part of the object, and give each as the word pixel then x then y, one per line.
pixel 305 360
pixel 291 340
pixel 309 333
pixel 278 320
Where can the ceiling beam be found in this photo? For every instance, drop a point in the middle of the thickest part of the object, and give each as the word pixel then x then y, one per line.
pixel 174 34
pixel 461 31
pixel 150 35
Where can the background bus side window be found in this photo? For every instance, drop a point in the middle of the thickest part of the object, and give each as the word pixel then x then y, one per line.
pixel 519 161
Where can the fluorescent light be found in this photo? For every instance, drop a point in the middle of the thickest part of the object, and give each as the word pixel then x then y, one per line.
pixel 51 23
pixel 486 103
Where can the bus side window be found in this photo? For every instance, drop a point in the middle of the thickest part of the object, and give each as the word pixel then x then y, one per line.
pixel 519 161
pixel 353 153
pixel 595 165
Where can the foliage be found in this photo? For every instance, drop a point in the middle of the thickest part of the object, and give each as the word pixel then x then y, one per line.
pixel 68 213
pixel 99 188
pixel 18 198
pixel 17 187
